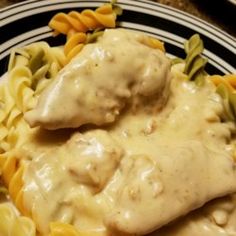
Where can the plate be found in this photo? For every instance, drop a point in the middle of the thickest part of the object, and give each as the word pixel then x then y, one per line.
pixel 27 22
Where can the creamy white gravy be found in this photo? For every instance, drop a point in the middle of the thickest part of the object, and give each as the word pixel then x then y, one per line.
pixel 217 218
pixel 146 169
pixel 101 80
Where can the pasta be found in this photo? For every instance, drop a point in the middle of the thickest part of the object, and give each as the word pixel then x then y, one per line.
pixel 225 85
pixel 13 225
pixel 32 69
pixel 20 88
pixel 8 116
pixel 75 25
pixel 12 171
pixel 194 63
pixel 74 45
pixel 103 17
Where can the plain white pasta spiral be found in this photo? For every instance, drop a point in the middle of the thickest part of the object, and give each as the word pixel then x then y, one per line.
pixel 13 225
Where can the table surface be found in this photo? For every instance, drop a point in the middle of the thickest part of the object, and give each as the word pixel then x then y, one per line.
pixel 221 13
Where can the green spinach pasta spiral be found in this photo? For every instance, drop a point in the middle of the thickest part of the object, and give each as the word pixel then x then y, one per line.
pixel 194 62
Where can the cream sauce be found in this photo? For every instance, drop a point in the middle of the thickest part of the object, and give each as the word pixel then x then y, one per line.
pixel 143 171
pixel 181 152
pixel 217 218
pixel 71 175
pixel 100 81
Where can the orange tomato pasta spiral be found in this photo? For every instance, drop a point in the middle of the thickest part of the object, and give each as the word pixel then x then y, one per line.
pixel 75 25
pixel 75 43
pixel 102 17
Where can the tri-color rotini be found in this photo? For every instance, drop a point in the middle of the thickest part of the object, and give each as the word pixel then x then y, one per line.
pixel 31 70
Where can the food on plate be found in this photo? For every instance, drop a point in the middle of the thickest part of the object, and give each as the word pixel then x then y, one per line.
pixel 75 25
pixel 89 100
pixel 117 138
pixel 215 218
pixel 13 224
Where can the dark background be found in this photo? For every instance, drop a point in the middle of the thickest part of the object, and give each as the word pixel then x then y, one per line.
pixel 221 13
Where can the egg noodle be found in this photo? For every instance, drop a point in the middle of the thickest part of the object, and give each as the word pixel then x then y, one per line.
pixel 33 68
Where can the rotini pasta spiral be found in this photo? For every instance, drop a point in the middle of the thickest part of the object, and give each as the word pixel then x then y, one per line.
pixel 102 17
pixel 20 88
pixel 28 69
pixel 12 172
pixel 74 45
pixel 44 61
pixel 76 41
pixel 13 225
pixel 7 117
pixel 18 57
pixel 194 63
pixel 75 25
